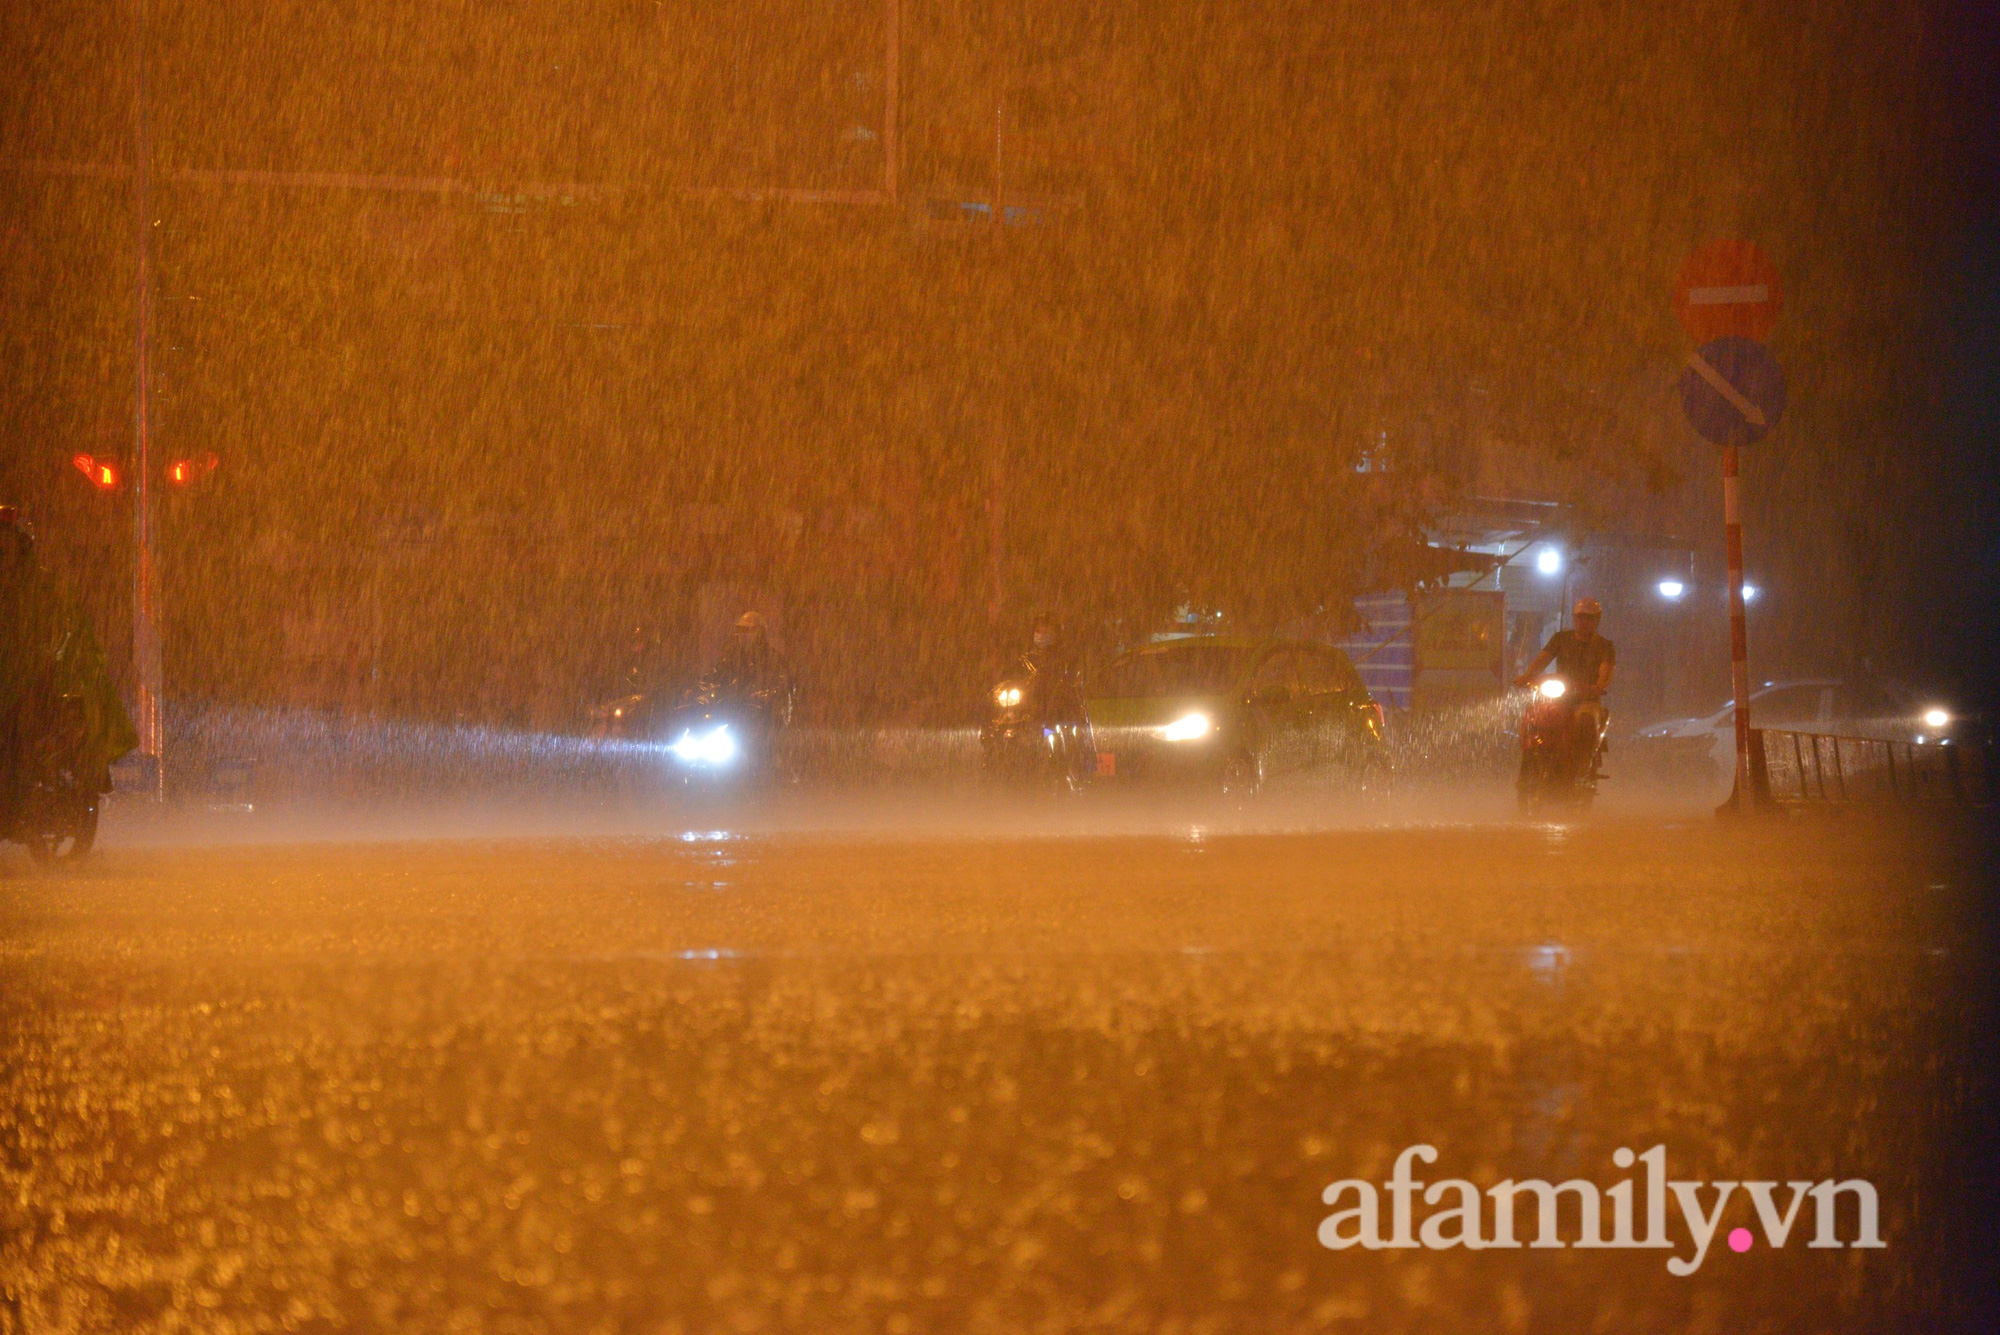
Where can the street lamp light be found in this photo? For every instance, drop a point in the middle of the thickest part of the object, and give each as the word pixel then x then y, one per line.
pixel 1672 589
pixel 1749 593
pixel 1548 561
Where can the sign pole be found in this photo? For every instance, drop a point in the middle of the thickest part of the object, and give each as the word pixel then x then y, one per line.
pixel 1739 635
pixel 1728 297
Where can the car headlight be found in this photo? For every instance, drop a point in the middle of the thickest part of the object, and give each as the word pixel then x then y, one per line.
pixel 1007 697
pixel 1935 719
pixel 1186 728
pixel 714 747
pixel 1552 688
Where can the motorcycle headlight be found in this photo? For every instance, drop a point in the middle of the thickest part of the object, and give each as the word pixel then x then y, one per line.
pixel 1186 728
pixel 1007 697
pixel 1552 689
pixel 714 747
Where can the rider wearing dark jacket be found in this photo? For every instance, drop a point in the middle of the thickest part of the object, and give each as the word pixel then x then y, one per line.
pixel 47 651
pixel 1054 669
pixel 752 670
pixel 30 610
pixel 1585 661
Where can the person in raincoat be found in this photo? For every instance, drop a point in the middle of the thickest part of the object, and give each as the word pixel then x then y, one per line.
pixel 1052 664
pixel 753 672
pixel 48 652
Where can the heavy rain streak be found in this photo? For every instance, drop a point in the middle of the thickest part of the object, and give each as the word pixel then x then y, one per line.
pixel 995 666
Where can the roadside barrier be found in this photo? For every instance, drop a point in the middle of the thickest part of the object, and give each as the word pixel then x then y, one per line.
pixel 1821 769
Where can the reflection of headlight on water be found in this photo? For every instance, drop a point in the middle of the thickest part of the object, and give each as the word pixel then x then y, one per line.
pixel 714 747
pixel 1552 689
pixel 1186 728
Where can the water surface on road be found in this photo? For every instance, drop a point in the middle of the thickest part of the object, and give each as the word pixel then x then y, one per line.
pixel 839 1074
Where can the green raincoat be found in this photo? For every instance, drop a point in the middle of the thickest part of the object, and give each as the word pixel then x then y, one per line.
pixel 46 638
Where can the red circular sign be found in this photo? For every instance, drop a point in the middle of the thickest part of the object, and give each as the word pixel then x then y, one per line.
pixel 1728 289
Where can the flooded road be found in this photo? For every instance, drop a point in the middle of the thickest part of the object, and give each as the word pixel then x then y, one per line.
pixel 857 1078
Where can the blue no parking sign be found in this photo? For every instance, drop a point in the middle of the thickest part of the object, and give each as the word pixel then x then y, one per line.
pixel 1733 391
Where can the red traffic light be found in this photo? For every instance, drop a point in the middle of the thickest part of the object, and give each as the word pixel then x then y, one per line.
pixel 103 473
pixel 183 472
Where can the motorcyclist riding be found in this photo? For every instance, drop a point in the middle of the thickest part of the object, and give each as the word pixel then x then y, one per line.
pixel 1052 665
pixel 752 672
pixel 1035 724
pixel 731 721
pixel 1585 661
pixel 61 722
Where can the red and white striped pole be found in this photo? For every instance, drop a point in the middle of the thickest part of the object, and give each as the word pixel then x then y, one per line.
pixel 1739 634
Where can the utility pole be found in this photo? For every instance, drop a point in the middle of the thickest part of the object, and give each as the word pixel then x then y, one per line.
pixel 146 666
pixel 999 156
pixel 997 464
pixel 892 112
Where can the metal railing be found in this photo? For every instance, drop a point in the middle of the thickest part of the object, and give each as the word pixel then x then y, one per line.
pixel 1808 768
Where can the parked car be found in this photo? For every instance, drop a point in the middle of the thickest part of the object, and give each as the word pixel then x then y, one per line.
pixel 1705 746
pixel 1230 712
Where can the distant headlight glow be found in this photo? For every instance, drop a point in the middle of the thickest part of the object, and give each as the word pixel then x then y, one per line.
pixel 1186 728
pixel 1552 688
pixel 1007 697
pixel 1935 719
pixel 714 747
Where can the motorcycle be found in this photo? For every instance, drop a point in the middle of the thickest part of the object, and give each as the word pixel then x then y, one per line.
pixel 717 734
pixel 1029 740
pixel 1560 747
pixel 53 808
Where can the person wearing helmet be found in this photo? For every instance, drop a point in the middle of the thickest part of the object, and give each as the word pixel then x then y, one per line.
pixel 1584 660
pixel 1051 663
pixel 749 641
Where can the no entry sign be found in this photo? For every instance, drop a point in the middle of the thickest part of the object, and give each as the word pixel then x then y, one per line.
pixel 1733 391
pixel 1728 289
